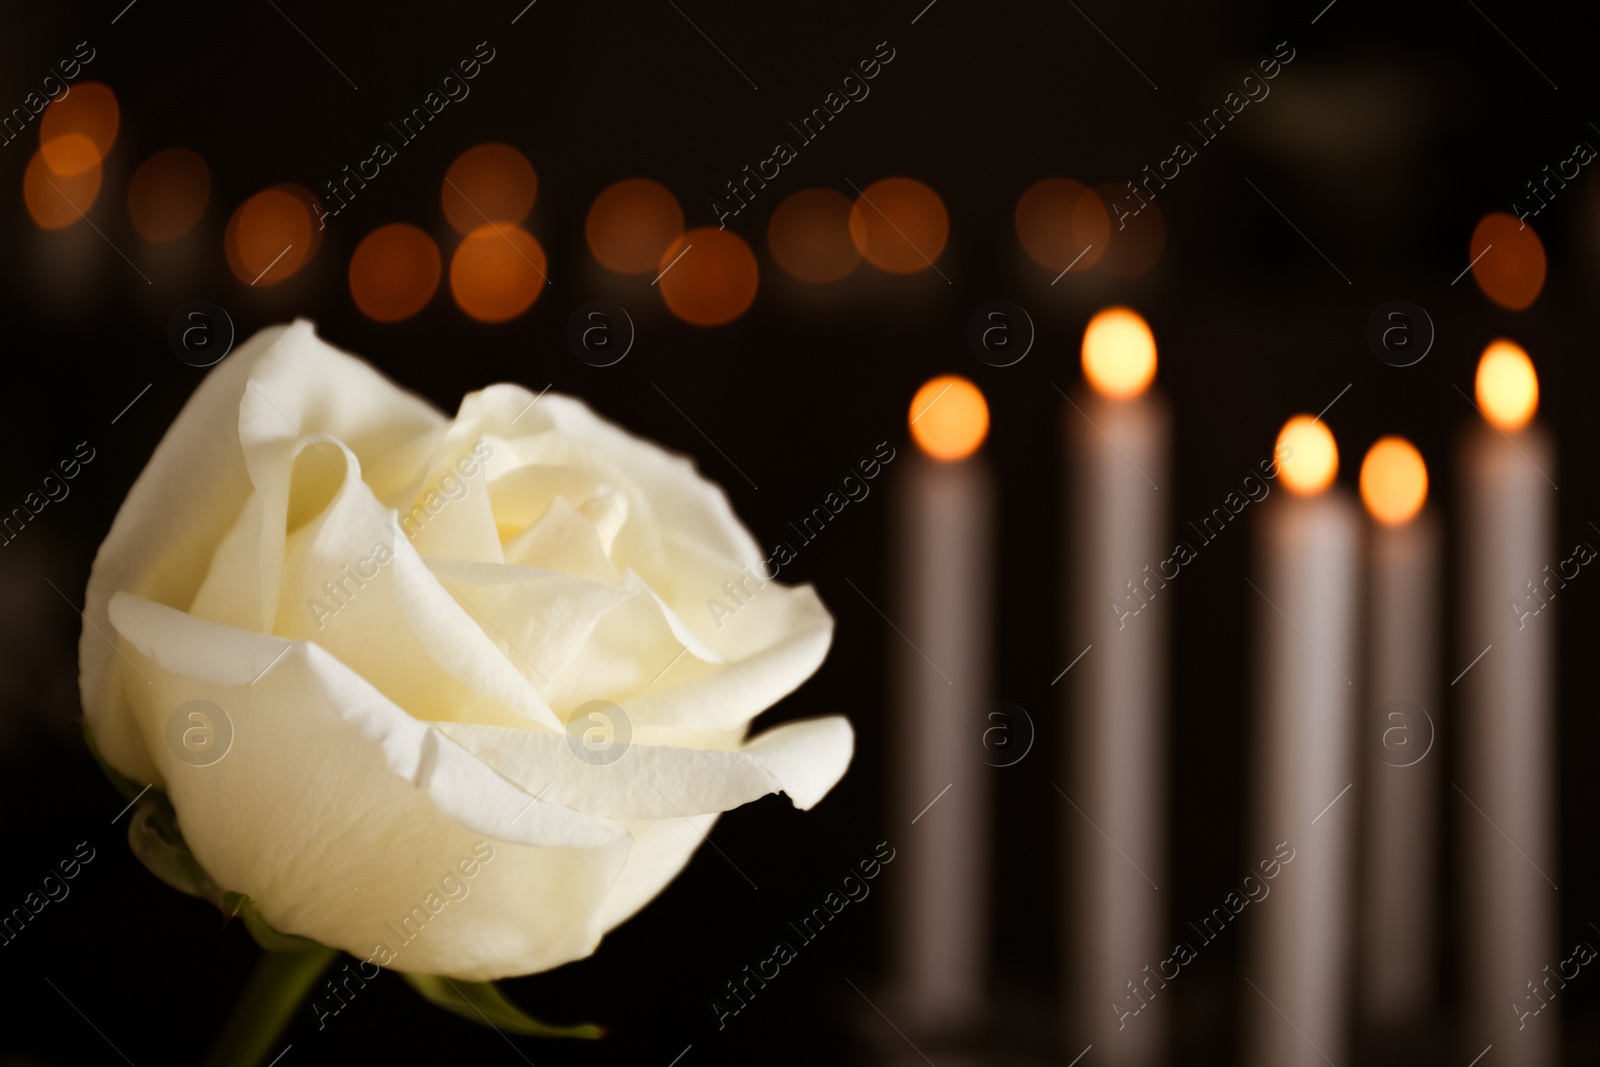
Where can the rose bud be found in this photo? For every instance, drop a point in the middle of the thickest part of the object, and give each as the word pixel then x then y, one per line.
pixel 445 687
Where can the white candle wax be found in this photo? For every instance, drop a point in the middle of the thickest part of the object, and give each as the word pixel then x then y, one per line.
pixel 941 671
pixel 1401 754
pixel 1116 736
pixel 1504 803
pixel 1297 964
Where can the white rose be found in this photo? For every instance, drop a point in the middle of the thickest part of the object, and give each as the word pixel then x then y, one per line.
pixel 422 708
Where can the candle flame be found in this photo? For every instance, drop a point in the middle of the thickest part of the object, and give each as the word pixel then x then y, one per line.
pixel 949 418
pixel 1394 481
pixel 1307 455
pixel 1119 353
pixel 1507 387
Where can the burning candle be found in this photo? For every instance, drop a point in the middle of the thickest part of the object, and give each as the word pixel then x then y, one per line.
pixel 942 595
pixel 1505 799
pixel 1299 952
pixel 1399 741
pixel 1117 442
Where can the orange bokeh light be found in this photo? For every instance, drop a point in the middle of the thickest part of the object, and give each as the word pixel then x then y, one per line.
pixel 631 223
pixel 270 236
pixel 899 225
pixel 1394 481
pixel 488 183
pixel 394 272
pixel 54 201
pixel 1138 244
pixel 1119 353
pixel 809 236
pixel 715 279
pixel 1509 263
pixel 1507 386
pixel 313 206
pixel 90 109
pixel 497 272
pixel 168 194
pixel 1311 460
pixel 949 418
pixel 70 154
pixel 1062 223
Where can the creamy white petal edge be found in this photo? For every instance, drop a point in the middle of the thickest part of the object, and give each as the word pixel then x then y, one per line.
pixel 338 808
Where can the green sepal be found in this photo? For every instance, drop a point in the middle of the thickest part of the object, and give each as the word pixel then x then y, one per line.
pixel 268 938
pixel 482 1002
pixel 124 785
pixel 157 842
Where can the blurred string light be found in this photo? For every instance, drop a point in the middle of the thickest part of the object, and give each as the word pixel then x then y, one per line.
pixel 899 225
pixel 313 208
pixel 1507 260
pixel 1138 245
pixel 499 268
pixel 88 110
pixel 394 272
pixel 168 194
pixel 488 183
pixel 809 236
pixel 1062 223
pixel 62 178
pixel 271 235
pixel 70 154
pixel 497 272
pixel 55 201
pixel 949 418
pixel 631 223
pixel 708 276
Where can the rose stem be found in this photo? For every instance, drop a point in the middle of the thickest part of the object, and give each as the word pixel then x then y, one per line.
pixel 276 989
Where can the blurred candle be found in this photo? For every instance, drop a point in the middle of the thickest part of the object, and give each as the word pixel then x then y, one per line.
pixel 1507 810
pixel 1117 440
pixel 1399 742
pixel 942 599
pixel 1298 959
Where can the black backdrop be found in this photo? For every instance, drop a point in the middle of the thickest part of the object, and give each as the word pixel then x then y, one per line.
pixel 1393 131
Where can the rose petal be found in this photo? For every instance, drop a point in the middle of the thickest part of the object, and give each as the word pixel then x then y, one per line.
pixel 594 640
pixel 803 758
pixel 353 583
pixel 180 646
pixel 661 849
pixel 677 496
pixel 355 808
pixel 738 690
pixel 563 540
pixel 198 480
pixel 454 517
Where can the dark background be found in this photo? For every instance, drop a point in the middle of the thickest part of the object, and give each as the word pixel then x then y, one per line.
pixel 1393 131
